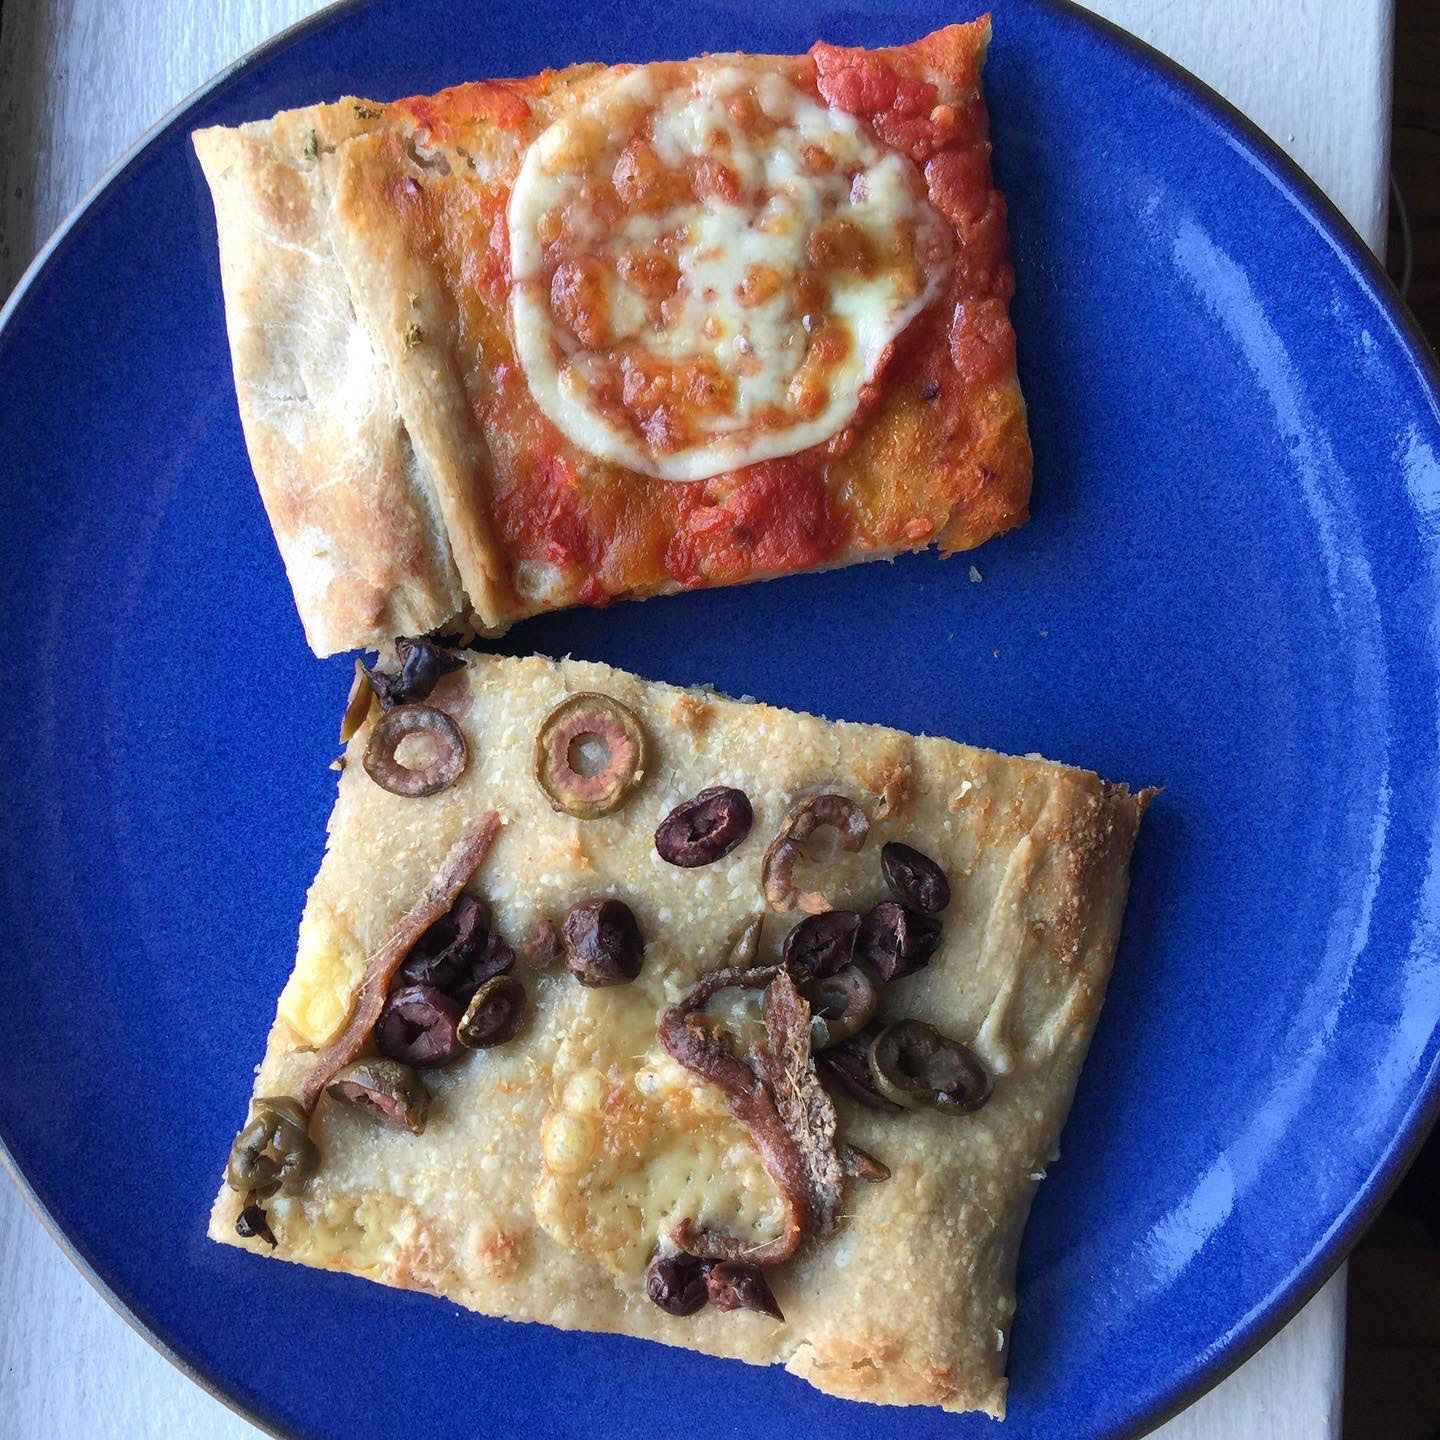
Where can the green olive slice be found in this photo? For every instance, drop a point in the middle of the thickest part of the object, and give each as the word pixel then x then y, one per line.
pixel 494 1014
pixel 841 1005
pixel 913 1064
pixel 745 948
pixel 357 703
pixel 589 755
pixel 786 850
pixel 274 1151
pixel 386 1088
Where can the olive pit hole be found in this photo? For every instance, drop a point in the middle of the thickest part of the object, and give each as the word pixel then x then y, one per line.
pixel 588 755
pixel 417 751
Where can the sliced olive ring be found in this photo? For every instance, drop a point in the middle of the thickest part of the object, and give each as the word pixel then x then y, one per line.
pixel 705 829
pixel 494 1014
pixel 440 773
pixel 820 945
pixel 846 1067
pixel 913 1064
pixel 841 1005
pixel 385 1088
pixel 676 1283
pixel 914 878
pixel 274 1151
pixel 417 1027
pixel 777 870
pixel 448 954
pixel 608 725
pixel 895 941
pixel 603 943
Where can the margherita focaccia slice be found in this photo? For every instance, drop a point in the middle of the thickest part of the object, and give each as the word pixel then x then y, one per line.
pixel 589 1025
pixel 618 331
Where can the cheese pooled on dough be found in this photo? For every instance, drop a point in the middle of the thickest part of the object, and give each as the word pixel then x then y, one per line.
pixel 709 265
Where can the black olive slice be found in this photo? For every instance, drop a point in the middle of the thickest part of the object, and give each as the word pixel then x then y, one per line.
pixel 705 829
pixel 913 1064
pixel 603 943
pixel 841 1005
pixel 439 773
pixel 914 879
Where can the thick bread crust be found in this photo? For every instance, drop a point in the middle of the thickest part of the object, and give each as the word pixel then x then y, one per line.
pixel 551 1165
pixel 412 480
pixel 415 325
pixel 351 507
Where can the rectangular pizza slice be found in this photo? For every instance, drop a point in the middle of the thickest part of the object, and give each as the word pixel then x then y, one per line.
pixel 618 331
pixel 622 1007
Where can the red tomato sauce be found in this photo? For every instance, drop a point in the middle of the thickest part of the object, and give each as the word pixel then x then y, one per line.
pixel 612 532
pixel 452 114
pixel 546 519
pixel 900 106
pixel 951 143
pixel 775 517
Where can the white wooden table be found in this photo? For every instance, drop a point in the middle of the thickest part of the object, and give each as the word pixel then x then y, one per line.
pixel 80 80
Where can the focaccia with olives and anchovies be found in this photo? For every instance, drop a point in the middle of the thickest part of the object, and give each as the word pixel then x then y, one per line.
pixel 610 332
pixel 556 1165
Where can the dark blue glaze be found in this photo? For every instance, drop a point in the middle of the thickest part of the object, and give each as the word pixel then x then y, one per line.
pixel 1230 588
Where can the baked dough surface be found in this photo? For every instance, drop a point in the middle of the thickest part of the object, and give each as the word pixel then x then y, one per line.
pixel 550 1165
pixel 412 481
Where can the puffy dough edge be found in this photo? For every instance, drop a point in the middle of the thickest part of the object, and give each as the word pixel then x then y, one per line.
pixel 991 474
pixel 848 1368
pixel 1003 458
pixel 1081 843
pixel 415 325
pixel 351 502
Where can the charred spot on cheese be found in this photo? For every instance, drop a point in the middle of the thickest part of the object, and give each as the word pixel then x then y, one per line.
pixel 710 265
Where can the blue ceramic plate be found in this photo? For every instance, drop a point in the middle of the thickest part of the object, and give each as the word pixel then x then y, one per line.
pixel 1230 587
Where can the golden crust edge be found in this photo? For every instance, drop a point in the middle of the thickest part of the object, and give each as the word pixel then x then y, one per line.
pixel 340 487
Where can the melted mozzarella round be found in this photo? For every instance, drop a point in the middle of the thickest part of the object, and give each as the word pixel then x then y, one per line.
pixel 708 266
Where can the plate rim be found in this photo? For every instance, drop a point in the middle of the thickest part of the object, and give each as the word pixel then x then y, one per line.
pixel 1325 217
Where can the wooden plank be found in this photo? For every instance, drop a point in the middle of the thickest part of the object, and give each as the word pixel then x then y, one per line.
pixel 1392 1372
pixel 1315 77
pixel 1416 153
